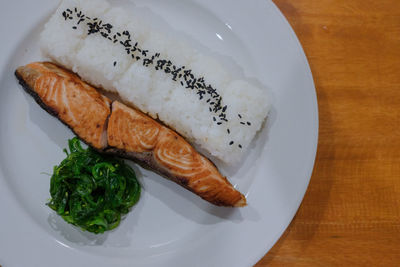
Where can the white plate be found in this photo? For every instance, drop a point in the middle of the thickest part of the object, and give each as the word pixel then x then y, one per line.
pixel 169 226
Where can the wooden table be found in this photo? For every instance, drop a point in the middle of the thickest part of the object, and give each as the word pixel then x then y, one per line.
pixel 350 215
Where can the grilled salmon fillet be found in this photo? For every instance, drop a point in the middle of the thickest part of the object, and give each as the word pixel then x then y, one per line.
pixel 137 136
pixel 114 128
pixel 74 102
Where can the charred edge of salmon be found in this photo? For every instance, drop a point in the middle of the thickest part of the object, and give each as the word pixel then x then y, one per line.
pixel 30 91
pixel 35 96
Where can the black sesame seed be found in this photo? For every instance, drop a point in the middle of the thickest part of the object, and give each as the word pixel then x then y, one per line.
pixel 240 116
pixel 248 123
pixel 231 143
pixel 242 123
pixel 219 123
pixel 214 119
pixel 74 27
pixel 229 131
pixel 115 63
pixel 240 146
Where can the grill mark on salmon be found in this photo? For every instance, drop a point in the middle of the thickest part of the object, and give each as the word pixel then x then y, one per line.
pixel 114 128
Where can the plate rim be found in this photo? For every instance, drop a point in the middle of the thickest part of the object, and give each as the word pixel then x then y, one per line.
pixel 311 167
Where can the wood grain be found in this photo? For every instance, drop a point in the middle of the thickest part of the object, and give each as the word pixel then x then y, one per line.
pixel 350 215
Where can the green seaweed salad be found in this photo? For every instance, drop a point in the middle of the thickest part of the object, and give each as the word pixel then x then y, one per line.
pixel 91 190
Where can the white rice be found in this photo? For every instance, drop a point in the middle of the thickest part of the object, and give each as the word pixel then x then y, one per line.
pixel 59 40
pixel 105 63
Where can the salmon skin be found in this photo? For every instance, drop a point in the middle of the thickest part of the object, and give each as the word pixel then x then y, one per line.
pixel 114 128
